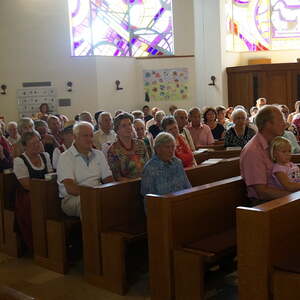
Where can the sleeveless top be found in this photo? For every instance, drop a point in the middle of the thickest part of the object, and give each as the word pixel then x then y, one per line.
pixel 37 174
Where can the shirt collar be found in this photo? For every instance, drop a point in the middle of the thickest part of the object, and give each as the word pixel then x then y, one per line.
pixel 75 152
pixel 262 141
pixel 161 162
pixel 190 126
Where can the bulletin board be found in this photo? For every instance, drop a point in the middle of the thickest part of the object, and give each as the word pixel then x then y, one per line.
pixel 30 99
pixel 166 84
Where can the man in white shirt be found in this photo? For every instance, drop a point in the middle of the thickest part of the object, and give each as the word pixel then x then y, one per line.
pixel 105 134
pixel 80 165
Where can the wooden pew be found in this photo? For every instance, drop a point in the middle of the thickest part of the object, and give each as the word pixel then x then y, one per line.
pixel 8 293
pixel 50 226
pixel 200 157
pixel 186 230
pixel 268 238
pixel 296 158
pixel 113 216
pixel 10 242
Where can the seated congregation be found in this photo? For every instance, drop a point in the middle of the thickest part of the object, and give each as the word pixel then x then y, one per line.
pixel 153 160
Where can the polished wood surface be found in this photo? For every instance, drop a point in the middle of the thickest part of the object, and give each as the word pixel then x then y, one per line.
pixel 276 82
pixel 201 157
pixel 116 210
pixel 10 242
pixel 268 249
pixel 8 293
pixel 178 219
pixel 49 225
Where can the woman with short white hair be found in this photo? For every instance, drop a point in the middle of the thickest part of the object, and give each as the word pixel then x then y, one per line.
pixel 163 173
pixel 240 133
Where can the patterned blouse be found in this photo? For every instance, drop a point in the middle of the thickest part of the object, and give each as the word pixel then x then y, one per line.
pixel 232 140
pixel 127 162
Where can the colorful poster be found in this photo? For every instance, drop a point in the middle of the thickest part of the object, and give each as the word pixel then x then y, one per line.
pixel 167 84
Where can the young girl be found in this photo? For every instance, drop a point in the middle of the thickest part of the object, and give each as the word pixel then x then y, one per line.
pixel 286 174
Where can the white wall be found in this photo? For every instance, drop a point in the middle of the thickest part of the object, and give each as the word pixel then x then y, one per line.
pixel 286 56
pixel 35 46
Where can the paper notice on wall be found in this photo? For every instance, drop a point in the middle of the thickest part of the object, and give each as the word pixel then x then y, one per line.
pixel 167 84
pixel 30 99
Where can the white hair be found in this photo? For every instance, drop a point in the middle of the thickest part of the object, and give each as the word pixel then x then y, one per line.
pixel 80 124
pixel 162 139
pixel 159 115
pixel 237 112
pixel 103 114
pixel 11 123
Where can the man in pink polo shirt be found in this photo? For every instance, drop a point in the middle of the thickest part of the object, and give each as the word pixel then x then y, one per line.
pixel 255 162
pixel 200 132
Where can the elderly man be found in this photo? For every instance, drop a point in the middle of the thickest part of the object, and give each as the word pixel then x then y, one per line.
pixel 201 133
pixel 256 164
pixel 105 133
pixel 164 173
pixel 80 165
pixel 181 118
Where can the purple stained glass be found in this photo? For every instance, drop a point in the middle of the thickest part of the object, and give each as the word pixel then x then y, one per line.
pixel 121 27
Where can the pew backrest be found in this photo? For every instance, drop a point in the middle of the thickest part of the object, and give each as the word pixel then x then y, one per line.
pixel 187 216
pixel 268 235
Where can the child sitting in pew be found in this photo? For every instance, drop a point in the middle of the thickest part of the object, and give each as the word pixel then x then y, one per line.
pixel 286 175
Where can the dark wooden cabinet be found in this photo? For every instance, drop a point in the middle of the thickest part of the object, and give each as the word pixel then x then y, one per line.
pixel 278 83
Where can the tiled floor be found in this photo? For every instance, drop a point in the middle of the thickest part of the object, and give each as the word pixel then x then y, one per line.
pixel 23 275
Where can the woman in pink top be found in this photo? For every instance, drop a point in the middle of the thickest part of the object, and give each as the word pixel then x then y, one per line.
pixel 201 133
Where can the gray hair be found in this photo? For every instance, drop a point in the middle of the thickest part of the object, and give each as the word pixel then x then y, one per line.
pixel 264 115
pixel 179 110
pixel 84 114
pixel 159 115
pixel 24 122
pixel 139 121
pixel 40 123
pixel 237 112
pixel 169 120
pixel 104 114
pixel 10 124
pixel 138 114
pixel 80 124
pixel 27 136
pixel 162 139
pixel 120 117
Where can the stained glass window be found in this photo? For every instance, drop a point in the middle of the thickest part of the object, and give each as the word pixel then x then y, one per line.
pixel 256 25
pixel 121 27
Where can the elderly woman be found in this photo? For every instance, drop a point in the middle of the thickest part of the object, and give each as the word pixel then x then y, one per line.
pixel 240 133
pixel 210 119
pixel 33 163
pixel 47 139
pixel 105 134
pixel 155 129
pixel 164 173
pixel 12 131
pixel 140 129
pixel 24 125
pixel 182 149
pixel 127 156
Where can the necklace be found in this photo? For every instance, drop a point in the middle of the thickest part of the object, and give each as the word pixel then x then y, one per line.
pixel 128 149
